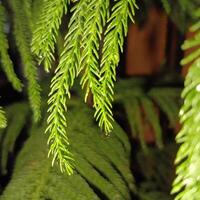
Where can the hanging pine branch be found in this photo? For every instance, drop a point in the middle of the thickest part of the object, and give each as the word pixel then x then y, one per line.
pixel 186 183
pixel 81 53
pixel 67 70
pixel 7 64
pixel 93 28
pixel 113 44
pixel 23 37
pixel 46 31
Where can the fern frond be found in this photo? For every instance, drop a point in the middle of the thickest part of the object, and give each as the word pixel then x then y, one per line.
pixel 186 184
pixel 63 79
pixel 23 35
pixel 44 36
pixel 3 121
pixel 93 27
pixel 7 64
pixel 113 43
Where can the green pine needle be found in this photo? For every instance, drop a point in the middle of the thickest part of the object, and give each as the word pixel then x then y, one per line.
pixel 93 28
pixel 7 64
pixel 67 70
pixel 186 184
pixel 3 121
pixel 113 44
pixel 45 34
pixel 23 34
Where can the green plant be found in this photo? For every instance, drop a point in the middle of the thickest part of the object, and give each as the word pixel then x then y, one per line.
pixel 2 118
pixel 143 106
pixel 92 45
pixel 157 178
pixel 90 23
pixel 98 174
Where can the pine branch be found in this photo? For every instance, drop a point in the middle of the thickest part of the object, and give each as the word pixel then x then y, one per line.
pixel 3 121
pixel 186 184
pixel 27 7
pixel 113 45
pixel 23 35
pixel 7 64
pixel 45 34
pixel 63 79
pixel 37 6
pixel 90 59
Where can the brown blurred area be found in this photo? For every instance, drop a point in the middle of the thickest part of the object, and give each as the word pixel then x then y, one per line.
pixel 146 45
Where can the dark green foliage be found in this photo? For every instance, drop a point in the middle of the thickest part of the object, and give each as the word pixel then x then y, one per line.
pixel 6 63
pixel 104 169
pixel 168 99
pixel 45 34
pixel 91 23
pixel 17 116
pixel 157 173
pixel 23 35
pixel 144 107
pixel 22 22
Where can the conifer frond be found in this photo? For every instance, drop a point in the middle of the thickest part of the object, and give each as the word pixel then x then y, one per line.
pixel 7 64
pixel 27 7
pixel 3 121
pixel 93 28
pixel 37 6
pixel 23 35
pixel 67 70
pixel 45 34
pixel 113 44
pixel 186 184
pixel 143 106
